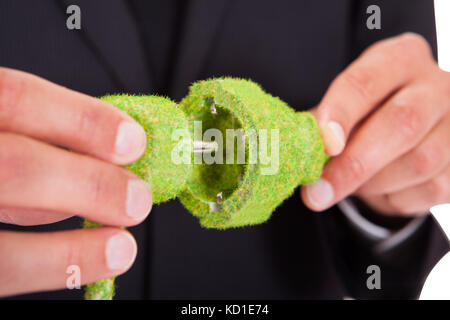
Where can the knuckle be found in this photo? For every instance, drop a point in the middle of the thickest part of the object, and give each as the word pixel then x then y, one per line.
pixel 442 82
pixel 5 217
pixel 410 42
pixel 361 81
pixel 437 189
pixel 408 50
pixel 97 186
pixel 355 167
pixel 426 160
pixel 74 255
pixel 11 91
pixel 397 206
pixel 13 161
pixel 4 266
pixel 87 124
pixel 413 50
pixel 406 115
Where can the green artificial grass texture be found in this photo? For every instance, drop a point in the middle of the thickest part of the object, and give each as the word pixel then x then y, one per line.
pixel 248 196
pixel 159 116
pixel 102 289
pixel 301 154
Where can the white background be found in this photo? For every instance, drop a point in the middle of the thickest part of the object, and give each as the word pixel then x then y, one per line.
pixel 437 285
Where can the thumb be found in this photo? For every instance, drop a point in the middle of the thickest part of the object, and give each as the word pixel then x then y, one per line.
pixel 333 134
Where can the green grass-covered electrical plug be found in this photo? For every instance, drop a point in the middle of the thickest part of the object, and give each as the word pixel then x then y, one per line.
pixel 159 116
pixel 247 151
pixel 225 194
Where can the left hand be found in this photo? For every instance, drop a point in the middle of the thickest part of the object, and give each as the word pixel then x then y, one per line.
pixel 386 121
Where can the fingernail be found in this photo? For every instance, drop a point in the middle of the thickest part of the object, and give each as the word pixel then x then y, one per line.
pixel 139 199
pixel 120 251
pixel 130 139
pixel 320 194
pixel 334 138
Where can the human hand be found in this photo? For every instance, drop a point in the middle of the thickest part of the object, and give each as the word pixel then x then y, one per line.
pixel 386 121
pixel 42 183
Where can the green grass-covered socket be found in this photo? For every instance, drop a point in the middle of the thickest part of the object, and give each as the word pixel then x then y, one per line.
pixel 243 104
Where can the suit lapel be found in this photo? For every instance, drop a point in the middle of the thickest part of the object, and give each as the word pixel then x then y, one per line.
pixel 201 26
pixel 106 27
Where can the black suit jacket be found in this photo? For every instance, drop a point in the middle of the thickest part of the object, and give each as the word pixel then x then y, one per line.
pixel 293 49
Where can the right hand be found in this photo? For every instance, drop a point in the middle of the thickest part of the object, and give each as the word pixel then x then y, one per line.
pixel 42 183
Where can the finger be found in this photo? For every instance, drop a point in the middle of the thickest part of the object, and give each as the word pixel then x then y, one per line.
pixel 36 175
pixel 40 109
pixel 366 83
pixel 30 217
pixel 32 262
pixel 393 130
pixel 416 166
pixel 380 203
pixel 416 200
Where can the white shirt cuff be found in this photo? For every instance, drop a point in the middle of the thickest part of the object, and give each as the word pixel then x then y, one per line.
pixel 385 239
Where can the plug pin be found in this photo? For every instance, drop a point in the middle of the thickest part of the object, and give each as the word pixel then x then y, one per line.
pixel 205 146
pixel 216 206
pixel 211 101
